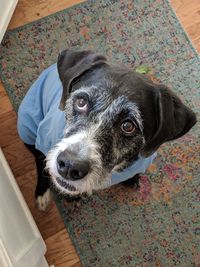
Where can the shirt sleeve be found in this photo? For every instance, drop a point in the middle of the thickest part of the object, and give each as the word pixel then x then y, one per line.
pixel 30 112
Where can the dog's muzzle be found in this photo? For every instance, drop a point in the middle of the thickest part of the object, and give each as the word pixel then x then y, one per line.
pixel 71 168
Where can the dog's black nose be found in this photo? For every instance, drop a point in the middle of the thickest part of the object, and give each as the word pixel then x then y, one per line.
pixel 70 169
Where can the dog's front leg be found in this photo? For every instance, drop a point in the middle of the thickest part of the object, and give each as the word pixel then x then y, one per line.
pixel 42 192
pixel 134 182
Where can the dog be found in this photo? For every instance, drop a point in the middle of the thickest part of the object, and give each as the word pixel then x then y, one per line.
pixel 91 124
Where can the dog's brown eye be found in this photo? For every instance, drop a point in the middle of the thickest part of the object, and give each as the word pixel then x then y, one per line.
pixel 81 104
pixel 128 127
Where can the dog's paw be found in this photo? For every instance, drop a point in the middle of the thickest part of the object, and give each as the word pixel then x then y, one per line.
pixel 44 201
pixel 133 182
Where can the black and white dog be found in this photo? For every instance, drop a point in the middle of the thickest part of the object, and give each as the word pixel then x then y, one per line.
pixel 109 117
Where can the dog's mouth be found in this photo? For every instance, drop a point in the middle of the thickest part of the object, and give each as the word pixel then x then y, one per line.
pixel 66 187
pixel 64 184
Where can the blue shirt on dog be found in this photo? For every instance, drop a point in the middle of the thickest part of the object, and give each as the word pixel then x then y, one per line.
pixel 41 123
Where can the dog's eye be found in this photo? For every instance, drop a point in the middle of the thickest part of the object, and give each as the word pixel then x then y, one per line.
pixel 81 104
pixel 128 127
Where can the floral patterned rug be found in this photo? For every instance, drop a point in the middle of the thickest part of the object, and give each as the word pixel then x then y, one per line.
pixel 158 224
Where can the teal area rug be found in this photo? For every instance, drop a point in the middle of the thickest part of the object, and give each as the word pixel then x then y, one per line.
pixel 158 224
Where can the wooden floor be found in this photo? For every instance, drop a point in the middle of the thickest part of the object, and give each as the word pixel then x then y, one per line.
pixel 60 250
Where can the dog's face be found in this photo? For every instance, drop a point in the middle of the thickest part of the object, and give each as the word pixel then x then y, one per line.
pixel 112 115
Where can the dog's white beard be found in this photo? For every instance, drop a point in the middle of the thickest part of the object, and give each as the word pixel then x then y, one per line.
pixel 96 179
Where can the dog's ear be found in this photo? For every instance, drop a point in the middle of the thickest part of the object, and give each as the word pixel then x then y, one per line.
pixel 173 119
pixel 72 64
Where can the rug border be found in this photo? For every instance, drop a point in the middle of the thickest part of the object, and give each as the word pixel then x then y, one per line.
pixel 68 225
pixel 93 1
pixel 167 2
pixel 22 27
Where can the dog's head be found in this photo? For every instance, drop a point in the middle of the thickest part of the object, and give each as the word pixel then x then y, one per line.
pixel 113 114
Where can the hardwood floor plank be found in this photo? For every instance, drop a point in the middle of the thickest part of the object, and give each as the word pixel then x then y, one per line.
pixel 78 264
pixel 62 253
pixel 5 105
pixel 19 158
pixel 189 15
pixel 30 10
pixel 9 133
pixel 193 31
pixel 197 44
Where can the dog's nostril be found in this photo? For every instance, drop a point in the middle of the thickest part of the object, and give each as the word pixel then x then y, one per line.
pixel 76 175
pixel 78 170
pixel 61 164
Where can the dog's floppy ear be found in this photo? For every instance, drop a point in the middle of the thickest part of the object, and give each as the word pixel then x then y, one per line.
pixel 174 119
pixel 72 64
